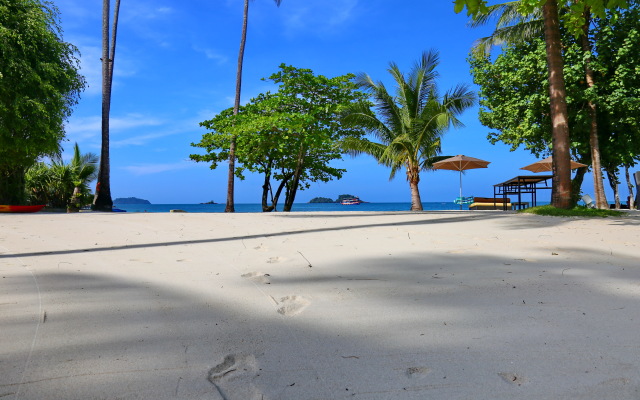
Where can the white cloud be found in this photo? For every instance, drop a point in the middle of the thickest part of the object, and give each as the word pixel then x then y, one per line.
pixel 343 13
pixel 83 128
pixel 147 169
pixel 318 16
pixel 137 11
pixel 212 54
pixel 139 140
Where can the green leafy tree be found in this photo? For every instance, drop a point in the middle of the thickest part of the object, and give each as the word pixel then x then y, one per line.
pixel 289 136
pixel 575 21
pixel 409 125
pixel 230 206
pixel 39 85
pixel 103 200
pixel 514 27
pixel 513 93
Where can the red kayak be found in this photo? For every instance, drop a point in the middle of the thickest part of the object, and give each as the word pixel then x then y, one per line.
pixel 20 209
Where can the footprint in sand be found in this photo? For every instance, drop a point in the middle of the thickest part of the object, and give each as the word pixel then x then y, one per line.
pixel 292 305
pixel 418 372
pixel 273 260
pixel 233 376
pixel 512 378
pixel 257 277
pixel 261 247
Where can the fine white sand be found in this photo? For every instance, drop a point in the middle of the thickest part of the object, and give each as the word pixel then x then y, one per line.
pixel 433 305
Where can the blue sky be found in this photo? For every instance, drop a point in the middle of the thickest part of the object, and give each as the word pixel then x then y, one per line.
pixel 175 66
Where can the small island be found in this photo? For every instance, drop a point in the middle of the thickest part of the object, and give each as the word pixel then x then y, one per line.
pixel 210 202
pixel 321 200
pixel 341 199
pixel 130 200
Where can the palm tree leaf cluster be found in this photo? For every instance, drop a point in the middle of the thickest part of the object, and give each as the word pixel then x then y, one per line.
pixel 407 127
pixel 60 184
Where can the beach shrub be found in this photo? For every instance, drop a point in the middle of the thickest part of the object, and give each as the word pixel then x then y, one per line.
pixel 62 185
pixel 578 211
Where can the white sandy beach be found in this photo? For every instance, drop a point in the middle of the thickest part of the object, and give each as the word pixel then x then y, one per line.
pixel 301 306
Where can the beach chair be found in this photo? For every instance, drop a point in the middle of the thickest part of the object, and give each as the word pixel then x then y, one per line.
pixel 588 201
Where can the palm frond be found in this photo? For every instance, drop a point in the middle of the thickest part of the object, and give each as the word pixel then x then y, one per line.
pixel 355 147
pixel 504 14
pixel 427 163
pixel 426 69
pixel 409 126
pixel 511 34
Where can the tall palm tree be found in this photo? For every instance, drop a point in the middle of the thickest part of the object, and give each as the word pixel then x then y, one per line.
pixel 513 27
pixel 409 125
pixel 230 207
pixel 102 200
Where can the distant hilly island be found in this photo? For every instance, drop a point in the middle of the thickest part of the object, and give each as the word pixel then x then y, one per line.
pixel 338 200
pixel 130 200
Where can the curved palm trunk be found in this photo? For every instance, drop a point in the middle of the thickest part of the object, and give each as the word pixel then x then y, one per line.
pixel 236 107
pixel 561 190
pixel 413 176
pixel 598 184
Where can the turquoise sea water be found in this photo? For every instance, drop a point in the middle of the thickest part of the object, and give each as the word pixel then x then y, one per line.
pixel 248 208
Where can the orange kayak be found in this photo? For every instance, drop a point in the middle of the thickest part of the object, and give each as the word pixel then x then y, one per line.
pixel 20 209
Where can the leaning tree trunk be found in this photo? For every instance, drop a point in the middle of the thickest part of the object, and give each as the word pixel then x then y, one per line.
pixel 266 187
pixel 561 193
pixel 612 176
pixel 103 200
pixel 576 184
pixel 598 184
pixel 281 186
pixel 236 107
pixel 413 176
pixel 631 200
pixel 291 194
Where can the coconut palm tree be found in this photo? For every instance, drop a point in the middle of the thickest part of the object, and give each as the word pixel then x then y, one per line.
pixel 409 125
pixel 84 170
pixel 514 27
pixel 102 200
pixel 230 207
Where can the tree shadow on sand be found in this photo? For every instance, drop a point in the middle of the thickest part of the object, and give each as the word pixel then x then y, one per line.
pixel 409 326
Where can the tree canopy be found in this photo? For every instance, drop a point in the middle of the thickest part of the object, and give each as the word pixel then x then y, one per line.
pixel 288 136
pixel 515 104
pixel 39 85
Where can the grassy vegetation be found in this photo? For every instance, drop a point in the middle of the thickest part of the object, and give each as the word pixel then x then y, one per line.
pixel 579 211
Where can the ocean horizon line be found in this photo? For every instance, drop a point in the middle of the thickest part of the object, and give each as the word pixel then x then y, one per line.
pixel 297 207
